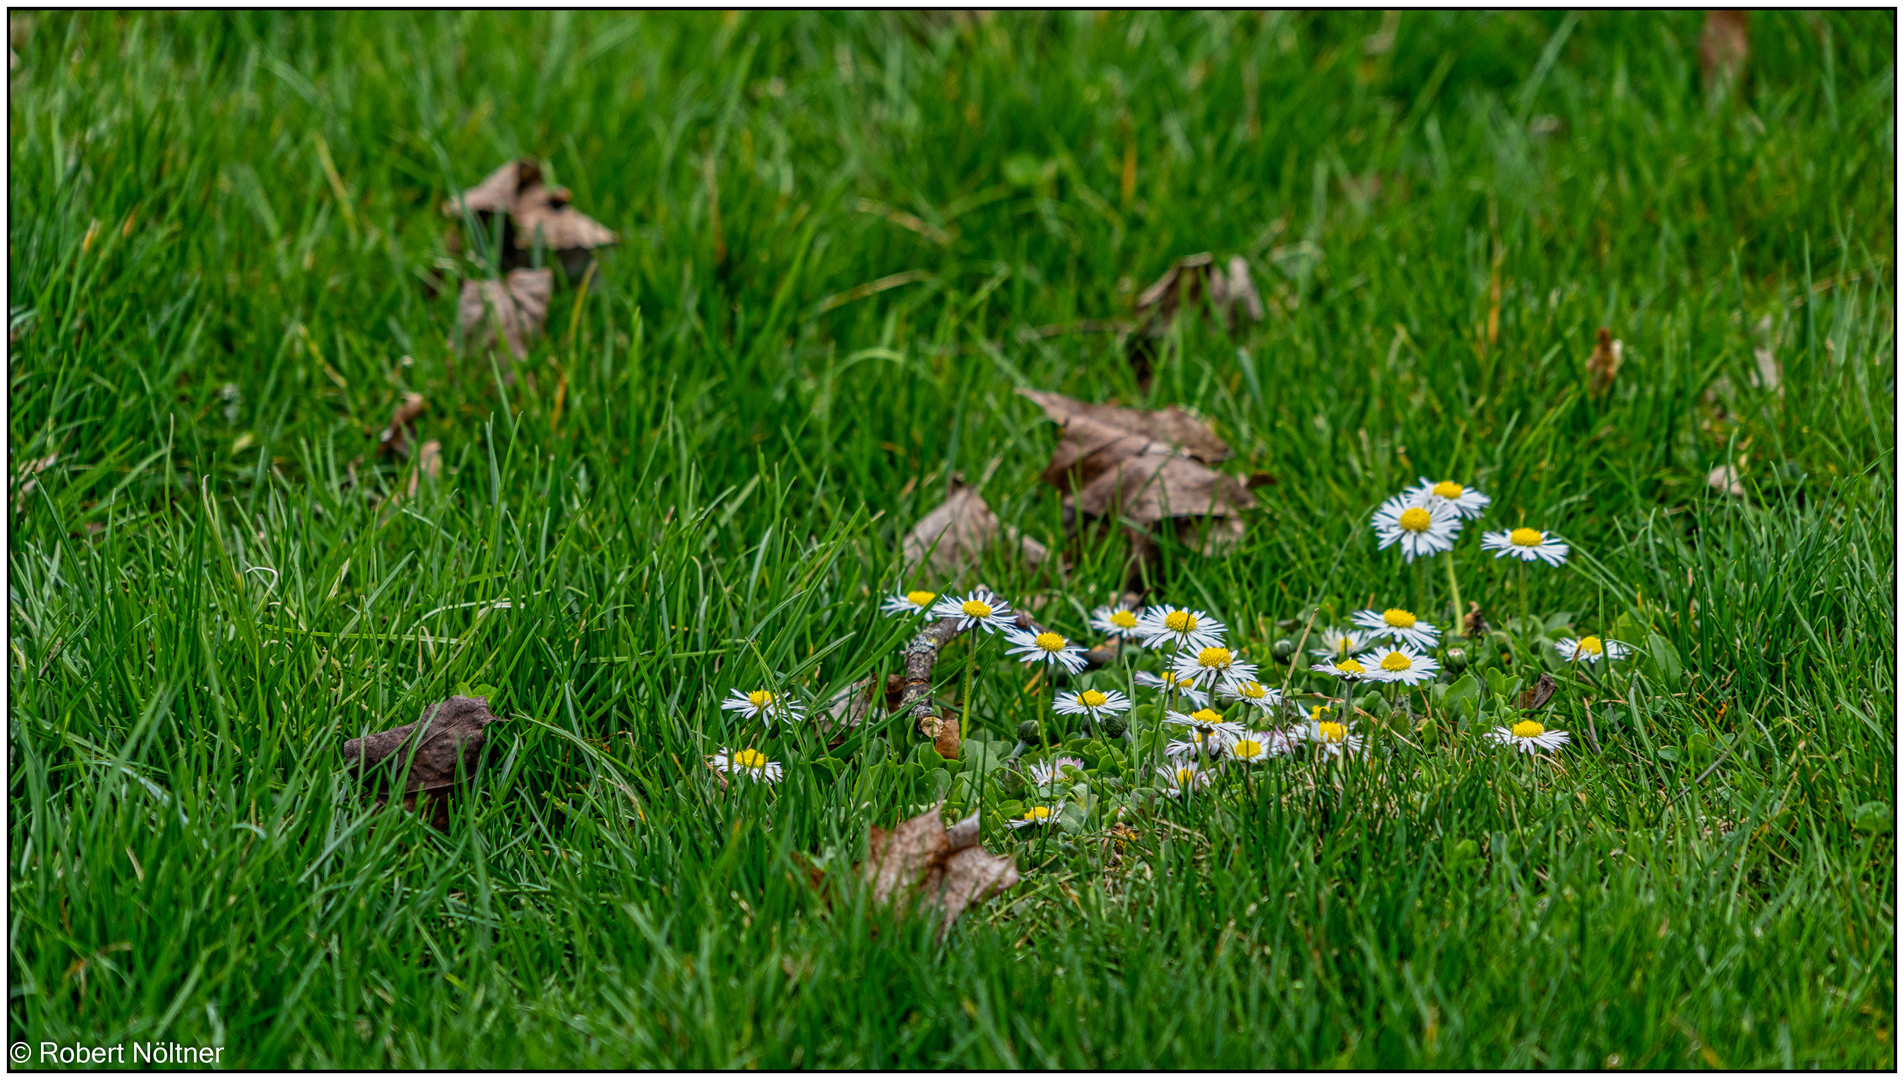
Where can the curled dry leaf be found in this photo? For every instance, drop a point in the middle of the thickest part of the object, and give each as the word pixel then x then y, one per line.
pixel 532 213
pixel 955 535
pixel 1144 466
pixel 396 435
pixel 1196 275
pixel 921 861
pixel 1538 694
pixel 429 463
pixel 448 741
pixel 1604 364
pixel 513 309
pixel 1474 624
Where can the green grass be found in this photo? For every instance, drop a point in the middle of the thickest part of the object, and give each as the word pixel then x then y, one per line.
pixel 221 231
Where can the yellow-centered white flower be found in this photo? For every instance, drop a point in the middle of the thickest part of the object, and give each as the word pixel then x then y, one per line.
pixel 1208 666
pixel 1181 777
pixel 1047 646
pixel 1116 620
pixel 763 703
pixel 1526 545
pixel 1096 704
pixel 1397 624
pixel 1529 737
pixel 916 602
pixel 1464 501
pixel 1187 691
pixel 1420 530
pixel 982 608
pixel 1591 650
pixel 1163 627
pixel 1038 816
pixel 748 764
pixel 1401 664
pixel 1339 641
pixel 1247 689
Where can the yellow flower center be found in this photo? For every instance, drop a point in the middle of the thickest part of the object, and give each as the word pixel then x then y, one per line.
pixel 1038 813
pixel 1214 656
pixel 760 699
pixel 1246 748
pixel 1332 731
pixel 1124 620
pixel 749 759
pixel 1399 619
pixel 919 598
pixel 1447 489
pixel 1415 519
pixel 1181 683
pixel 1351 666
pixel 1317 712
pixel 1396 662
pixel 1251 690
pixel 1207 716
pixel 1185 775
pixel 1589 646
pixel 1527 729
pixel 1180 622
pixel 1526 537
pixel 1092 699
pixel 1049 641
pixel 977 609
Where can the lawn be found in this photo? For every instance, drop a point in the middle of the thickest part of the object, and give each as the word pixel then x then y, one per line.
pixel 845 241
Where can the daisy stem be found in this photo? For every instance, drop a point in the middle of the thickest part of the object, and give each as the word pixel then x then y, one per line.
pixel 1454 591
pixel 1526 620
pixel 965 690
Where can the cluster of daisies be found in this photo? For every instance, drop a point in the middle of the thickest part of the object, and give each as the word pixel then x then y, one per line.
pixel 1202 676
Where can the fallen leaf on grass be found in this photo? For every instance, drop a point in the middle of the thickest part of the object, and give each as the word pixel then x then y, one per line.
pixel 448 740
pixel 512 309
pixel 396 435
pixel 956 534
pixel 429 463
pixel 1725 478
pixel 922 861
pixel 1145 467
pixel 1537 695
pixel 1604 364
pixel 1194 276
pixel 532 213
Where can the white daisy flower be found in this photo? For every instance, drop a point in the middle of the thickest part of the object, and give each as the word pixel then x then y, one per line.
pixel 908 603
pixel 1209 722
pixel 1117 621
pixel 1259 746
pixel 1592 650
pixel 1465 501
pixel 1044 773
pixel 1348 668
pixel 1049 647
pixel 763 703
pixel 1095 704
pixel 1167 681
pixel 751 764
pixel 1402 664
pixel 1399 625
pixel 1244 688
pixel 1178 628
pixel 1182 776
pixel 981 608
pixel 1334 739
pixel 1529 737
pixel 1037 815
pixel 1525 544
pixel 1338 641
pixel 1421 530
pixel 1195 744
pixel 1210 665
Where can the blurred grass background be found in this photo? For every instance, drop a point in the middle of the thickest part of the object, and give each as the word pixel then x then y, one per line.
pixel 227 266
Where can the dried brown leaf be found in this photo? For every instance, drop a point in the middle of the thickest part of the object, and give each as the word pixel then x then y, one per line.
pixel 448 741
pixel 513 309
pixel 1194 276
pixel 946 742
pixel 1604 364
pixel 1538 695
pixel 1169 425
pixel 533 212
pixel 1474 624
pixel 955 535
pixel 429 463
pixel 396 435
pixel 1726 478
pixel 922 861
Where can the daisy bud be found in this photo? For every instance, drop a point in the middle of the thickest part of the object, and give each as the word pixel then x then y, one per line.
pixel 1115 725
pixel 1028 732
pixel 1457 659
pixel 1283 649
